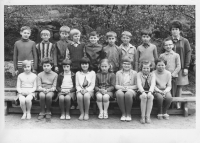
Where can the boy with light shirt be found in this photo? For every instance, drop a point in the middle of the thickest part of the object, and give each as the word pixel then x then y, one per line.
pixel 44 48
pixel 128 50
pixel 24 49
pixel 94 51
pixel 147 51
pixel 173 63
pixel 61 48
pixel 112 51
pixel 46 85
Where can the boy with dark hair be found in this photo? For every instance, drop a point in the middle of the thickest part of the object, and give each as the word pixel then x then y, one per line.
pixel 94 51
pixel 24 49
pixel 112 51
pixel 44 48
pixel 146 51
pixel 61 48
pixel 46 85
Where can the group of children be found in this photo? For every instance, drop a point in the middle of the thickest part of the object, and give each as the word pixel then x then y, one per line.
pixel 72 70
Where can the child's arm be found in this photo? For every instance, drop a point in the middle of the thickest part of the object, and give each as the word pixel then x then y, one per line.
pixel 35 58
pixel 15 60
pixel 168 88
pixel 178 66
pixel 155 53
pixel 39 83
pixel 97 84
pixel 78 87
pixel 92 85
pixel 134 86
pixel 187 56
pixel 73 89
pixel 34 85
pixel 139 83
pixel 153 83
pixel 137 59
pixel 112 83
pixel 55 57
pixel 19 85
pixel 117 86
pixel 58 86
pixel 53 88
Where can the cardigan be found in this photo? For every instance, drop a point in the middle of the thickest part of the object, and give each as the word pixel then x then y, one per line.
pixel 24 49
pixel 60 80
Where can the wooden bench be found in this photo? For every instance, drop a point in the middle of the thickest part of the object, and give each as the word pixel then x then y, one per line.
pixel 10 96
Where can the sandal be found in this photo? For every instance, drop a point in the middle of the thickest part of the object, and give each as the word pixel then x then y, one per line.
pixel 100 115
pixel 123 118
pixel 62 117
pixel 160 116
pixel 105 115
pixel 166 116
pixel 67 117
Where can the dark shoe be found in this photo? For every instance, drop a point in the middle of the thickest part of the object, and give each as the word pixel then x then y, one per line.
pixel 166 116
pixel 40 117
pixel 160 116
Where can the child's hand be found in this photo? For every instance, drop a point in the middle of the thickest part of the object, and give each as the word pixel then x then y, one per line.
pixel 173 75
pixel 56 69
pixel 34 71
pixel 185 72
pixel 104 91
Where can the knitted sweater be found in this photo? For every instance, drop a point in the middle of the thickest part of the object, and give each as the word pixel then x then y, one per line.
pixel 24 49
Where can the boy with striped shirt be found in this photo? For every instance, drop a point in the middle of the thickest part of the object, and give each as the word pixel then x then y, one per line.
pixel 24 49
pixel 44 48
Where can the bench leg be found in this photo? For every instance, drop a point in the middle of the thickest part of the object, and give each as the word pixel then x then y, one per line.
pixel 94 108
pixel 8 104
pixel 185 108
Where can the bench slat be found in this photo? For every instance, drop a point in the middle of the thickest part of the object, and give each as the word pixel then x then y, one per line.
pixel 184 99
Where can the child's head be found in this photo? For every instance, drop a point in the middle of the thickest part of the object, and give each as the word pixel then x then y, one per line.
pixel 126 63
pixel 146 67
pixel 175 28
pixel 126 37
pixel 47 64
pixel 93 37
pixel 27 66
pixel 105 66
pixel 111 37
pixel 64 32
pixel 45 35
pixel 25 31
pixel 168 44
pixel 66 63
pixel 75 34
pixel 160 64
pixel 85 64
pixel 146 35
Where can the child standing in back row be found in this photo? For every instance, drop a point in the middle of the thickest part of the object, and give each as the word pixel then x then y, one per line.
pixel 112 51
pixel 44 48
pixel 24 49
pixel 61 48
pixel 128 50
pixel 146 51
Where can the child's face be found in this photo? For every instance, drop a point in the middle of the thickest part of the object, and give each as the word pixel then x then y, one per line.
pixel 27 68
pixel 66 68
pixel 47 67
pixel 146 69
pixel 64 35
pixel 105 67
pixel 125 39
pixel 126 66
pixel 160 66
pixel 111 40
pixel 76 37
pixel 93 39
pixel 168 46
pixel 25 34
pixel 85 66
pixel 146 38
pixel 45 37
pixel 175 32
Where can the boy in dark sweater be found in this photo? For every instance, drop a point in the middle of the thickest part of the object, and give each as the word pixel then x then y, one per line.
pixel 75 50
pixel 44 48
pixel 94 51
pixel 61 48
pixel 24 49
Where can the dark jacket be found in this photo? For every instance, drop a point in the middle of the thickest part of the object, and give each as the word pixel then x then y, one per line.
pixel 60 80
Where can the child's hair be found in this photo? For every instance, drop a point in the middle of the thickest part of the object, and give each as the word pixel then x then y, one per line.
pixel 126 59
pixel 160 60
pixel 66 62
pixel 25 28
pixel 146 32
pixel 47 60
pixel 111 34
pixel 145 62
pixel 85 60
pixel 167 39
pixel 74 32
pixel 45 32
pixel 26 62
pixel 64 29
pixel 93 33
pixel 175 24
pixel 107 61
pixel 127 34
